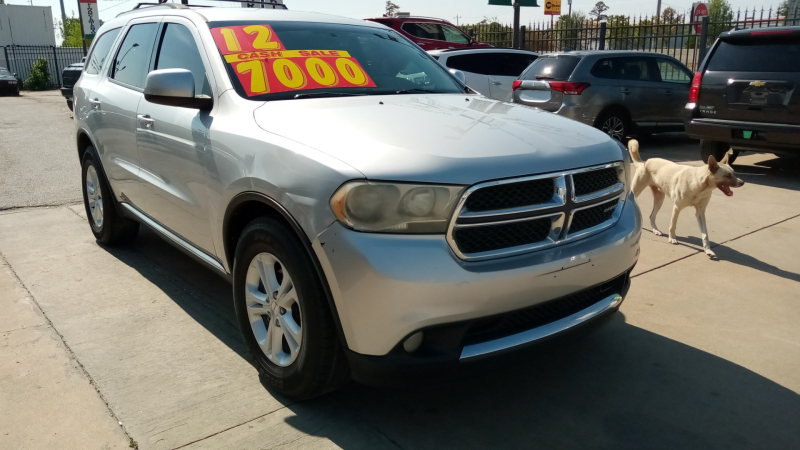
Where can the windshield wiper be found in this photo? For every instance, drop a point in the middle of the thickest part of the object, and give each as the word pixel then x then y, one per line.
pixel 326 94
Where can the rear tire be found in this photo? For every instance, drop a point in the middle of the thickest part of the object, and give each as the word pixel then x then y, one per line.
pixel 615 124
pixel 285 321
pixel 107 225
pixel 716 149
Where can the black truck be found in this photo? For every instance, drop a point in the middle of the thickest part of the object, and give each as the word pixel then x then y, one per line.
pixel 69 76
pixel 746 94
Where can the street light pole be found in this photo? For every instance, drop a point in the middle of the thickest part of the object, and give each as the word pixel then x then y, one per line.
pixel 515 39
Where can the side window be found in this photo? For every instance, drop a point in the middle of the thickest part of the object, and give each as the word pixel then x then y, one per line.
pixel 178 50
pixel 635 69
pixel 606 68
pixel 133 57
pixel 672 72
pixel 100 51
pixel 513 64
pixel 452 34
pixel 424 30
pixel 474 63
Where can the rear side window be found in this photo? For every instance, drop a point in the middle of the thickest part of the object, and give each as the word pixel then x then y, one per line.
pixel 606 68
pixel 133 57
pixel 100 52
pixel 635 69
pixel 757 56
pixel 551 68
pixel 424 30
pixel 178 50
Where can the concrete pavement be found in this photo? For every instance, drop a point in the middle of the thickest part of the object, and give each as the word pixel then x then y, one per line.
pixel 704 354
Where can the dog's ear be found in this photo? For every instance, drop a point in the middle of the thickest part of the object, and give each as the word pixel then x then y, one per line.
pixel 712 164
pixel 725 158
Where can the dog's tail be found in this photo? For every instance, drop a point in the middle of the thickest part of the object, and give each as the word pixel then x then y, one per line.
pixel 633 147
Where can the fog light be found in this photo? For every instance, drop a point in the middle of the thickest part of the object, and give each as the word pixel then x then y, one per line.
pixel 413 342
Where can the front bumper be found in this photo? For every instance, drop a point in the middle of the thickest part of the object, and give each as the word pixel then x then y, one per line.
pixel 388 287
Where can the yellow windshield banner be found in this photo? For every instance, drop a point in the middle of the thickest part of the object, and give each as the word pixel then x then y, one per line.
pixel 275 54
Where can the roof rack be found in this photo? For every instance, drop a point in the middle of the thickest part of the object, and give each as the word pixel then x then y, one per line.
pixel 184 4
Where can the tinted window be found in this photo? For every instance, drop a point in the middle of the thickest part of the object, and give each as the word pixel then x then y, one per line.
pixel 452 34
pixel 100 52
pixel 672 72
pixel 178 50
pixel 133 56
pixel 757 56
pixel 5 73
pixel 475 63
pixel 606 68
pixel 634 69
pixel 424 30
pixel 551 68
pixel 497 64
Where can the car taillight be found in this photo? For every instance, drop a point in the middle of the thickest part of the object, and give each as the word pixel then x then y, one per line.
pixel 516 84
pixel 694 92
pixel 568 87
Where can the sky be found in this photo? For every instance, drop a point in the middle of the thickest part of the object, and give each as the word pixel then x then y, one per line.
pixel 468 11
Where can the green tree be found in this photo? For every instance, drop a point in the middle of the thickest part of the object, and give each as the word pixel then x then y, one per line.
pixel 570 31
pixel 391 9
pixel 598 12
pixel 70 32
pixel 720 16
pixel 39 76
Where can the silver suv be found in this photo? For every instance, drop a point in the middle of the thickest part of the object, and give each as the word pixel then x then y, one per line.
pixel 371 223
pixel 619 92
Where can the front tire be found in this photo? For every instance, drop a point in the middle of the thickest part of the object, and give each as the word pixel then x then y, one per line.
pixel 283 312
pixel 107 225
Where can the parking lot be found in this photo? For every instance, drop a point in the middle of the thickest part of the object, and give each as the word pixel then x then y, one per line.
pixel 111 347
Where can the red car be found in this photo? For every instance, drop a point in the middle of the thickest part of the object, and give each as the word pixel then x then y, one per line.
pixel 429 33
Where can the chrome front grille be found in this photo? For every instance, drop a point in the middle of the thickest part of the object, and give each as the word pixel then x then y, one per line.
pixel 506 217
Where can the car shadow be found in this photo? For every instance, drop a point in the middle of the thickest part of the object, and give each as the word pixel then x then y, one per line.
pixel 618 387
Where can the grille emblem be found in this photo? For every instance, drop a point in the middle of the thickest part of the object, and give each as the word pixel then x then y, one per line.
pixel 757 83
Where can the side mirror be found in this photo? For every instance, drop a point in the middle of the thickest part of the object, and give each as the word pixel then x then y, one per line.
pixel 174 87
pixel 460 75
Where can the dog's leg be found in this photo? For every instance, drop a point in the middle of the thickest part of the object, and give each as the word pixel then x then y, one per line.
pixel 700 212
pixel 658 200
pixel 673 224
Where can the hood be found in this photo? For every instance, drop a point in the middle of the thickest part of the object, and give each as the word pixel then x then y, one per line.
pixel 438 138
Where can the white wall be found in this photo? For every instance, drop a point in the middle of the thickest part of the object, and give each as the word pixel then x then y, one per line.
pixel 26 25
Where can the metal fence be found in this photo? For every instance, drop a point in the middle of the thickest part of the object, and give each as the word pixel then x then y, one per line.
pixel 19 59
pixel 672 34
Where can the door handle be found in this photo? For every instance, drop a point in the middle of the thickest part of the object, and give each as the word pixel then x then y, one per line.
pixel 146 121
pixel 95 103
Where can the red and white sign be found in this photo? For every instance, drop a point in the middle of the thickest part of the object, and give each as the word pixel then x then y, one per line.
pixel 89 17
pixel 699 10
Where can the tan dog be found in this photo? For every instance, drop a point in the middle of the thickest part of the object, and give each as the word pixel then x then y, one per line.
pixel 685 185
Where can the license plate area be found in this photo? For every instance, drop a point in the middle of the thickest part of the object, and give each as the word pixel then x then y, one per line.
pixel 762 94
pixel 749 135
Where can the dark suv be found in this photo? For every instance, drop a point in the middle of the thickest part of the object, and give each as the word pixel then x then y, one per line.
pixel 745 94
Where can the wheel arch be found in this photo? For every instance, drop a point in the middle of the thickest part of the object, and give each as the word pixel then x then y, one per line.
pixel 83 142
pixel 248 206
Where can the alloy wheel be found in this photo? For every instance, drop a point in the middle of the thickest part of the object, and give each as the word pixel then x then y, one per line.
pixel 273 309
pixel 614 127
pixel 95 197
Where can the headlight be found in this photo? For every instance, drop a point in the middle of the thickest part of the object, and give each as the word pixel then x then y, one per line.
pixel 12 82
pixel 395 207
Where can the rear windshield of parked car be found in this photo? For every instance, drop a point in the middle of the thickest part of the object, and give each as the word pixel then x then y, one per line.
pixel 551 68
pixel 760 55
pixel 285 60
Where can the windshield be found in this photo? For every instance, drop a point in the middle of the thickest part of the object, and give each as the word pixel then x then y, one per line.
pixel 551 68
pixel 5 73
pixel 285 60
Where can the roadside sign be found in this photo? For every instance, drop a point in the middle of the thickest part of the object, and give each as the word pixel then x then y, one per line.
pixel 699 10
pixel 89 18
pixel 552 8
pixel 511 3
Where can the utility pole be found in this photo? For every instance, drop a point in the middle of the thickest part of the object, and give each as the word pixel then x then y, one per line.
pixel 63 19
pixel 658 9
pixel 457 20
pixel 515 39
pixel 568 1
